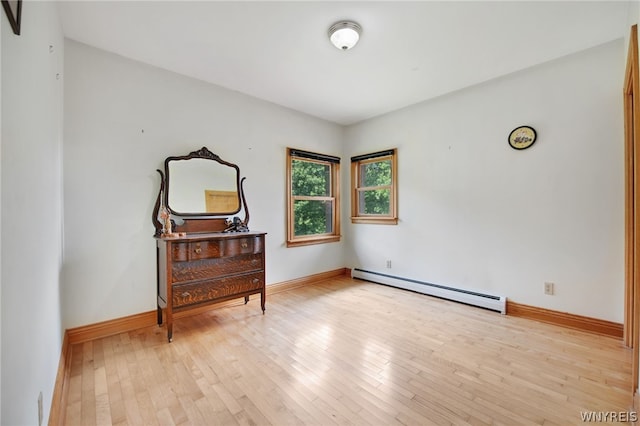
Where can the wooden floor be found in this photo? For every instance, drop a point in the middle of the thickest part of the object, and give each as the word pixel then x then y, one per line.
pixel 348 352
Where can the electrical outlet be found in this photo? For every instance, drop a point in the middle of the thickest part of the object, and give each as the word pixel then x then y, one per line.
pixel 389 264
pixel 40 409
pixel 548 288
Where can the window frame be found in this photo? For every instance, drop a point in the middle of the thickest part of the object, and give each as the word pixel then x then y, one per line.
pixel 334 188
pixel 356 163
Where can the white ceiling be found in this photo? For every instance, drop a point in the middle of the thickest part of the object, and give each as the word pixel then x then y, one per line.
pixel 280 52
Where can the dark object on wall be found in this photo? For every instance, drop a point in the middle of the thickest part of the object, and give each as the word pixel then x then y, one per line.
pixel 522 137
pixel 13 9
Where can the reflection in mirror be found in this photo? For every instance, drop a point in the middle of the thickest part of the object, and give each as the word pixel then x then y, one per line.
pixel 202 186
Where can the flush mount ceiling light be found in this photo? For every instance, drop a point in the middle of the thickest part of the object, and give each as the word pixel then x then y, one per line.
pixel 344 34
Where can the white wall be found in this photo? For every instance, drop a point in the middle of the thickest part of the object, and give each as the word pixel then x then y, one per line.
pixel 475 213
pixel 633 14
pixel 31 205
pixel 122 118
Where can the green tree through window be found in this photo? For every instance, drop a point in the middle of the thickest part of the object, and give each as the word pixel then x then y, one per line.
pixel 376 175
pixel 311 179
pixel 374 188
pixel 313 204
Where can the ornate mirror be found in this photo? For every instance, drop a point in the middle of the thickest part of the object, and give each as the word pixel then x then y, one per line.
pixel 196 192
pixel 199 186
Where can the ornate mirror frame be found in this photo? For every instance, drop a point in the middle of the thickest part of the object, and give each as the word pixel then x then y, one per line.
pixel 196 222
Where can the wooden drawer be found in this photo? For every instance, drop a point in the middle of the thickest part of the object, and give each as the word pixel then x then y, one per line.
pixel 205 291
pixel 209 249
pixel 207 268
pixel 236 246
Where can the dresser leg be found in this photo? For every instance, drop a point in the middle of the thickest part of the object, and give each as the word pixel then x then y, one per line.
pixel 262 300
pixel 169 333
pixel 159 315
pixel 246 300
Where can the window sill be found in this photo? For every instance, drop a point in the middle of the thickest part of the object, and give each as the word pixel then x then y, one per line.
pixel 375 220
pixel 313 240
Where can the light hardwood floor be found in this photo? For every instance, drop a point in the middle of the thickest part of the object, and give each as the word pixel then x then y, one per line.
pixel 348 352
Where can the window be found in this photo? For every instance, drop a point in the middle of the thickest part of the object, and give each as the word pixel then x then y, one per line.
pixel 374 188
pixel 312 197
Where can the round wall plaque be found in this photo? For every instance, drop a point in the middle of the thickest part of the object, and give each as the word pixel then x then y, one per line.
pixel 522 137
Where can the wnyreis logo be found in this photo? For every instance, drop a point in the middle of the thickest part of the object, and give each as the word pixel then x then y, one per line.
pixel 609 416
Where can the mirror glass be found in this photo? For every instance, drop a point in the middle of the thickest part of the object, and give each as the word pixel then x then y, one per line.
pixel 200 186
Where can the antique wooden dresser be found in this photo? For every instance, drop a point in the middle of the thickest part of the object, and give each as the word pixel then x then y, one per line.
pixel 203 258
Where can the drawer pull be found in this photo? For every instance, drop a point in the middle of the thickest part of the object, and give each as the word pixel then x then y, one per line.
pixel 254 261
pixel 244 245
pixel 255 281
pixel 186 294
pixel 198 250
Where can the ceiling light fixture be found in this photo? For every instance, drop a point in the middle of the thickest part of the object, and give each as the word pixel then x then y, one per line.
pixel 344 34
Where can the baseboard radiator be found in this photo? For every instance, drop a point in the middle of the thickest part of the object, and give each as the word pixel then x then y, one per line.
pixel 469 297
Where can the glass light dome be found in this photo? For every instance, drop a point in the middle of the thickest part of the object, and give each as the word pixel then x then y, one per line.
pixel 345 34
